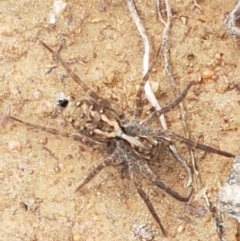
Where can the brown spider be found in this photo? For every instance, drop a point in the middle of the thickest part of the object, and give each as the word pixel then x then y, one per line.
pixel 98 122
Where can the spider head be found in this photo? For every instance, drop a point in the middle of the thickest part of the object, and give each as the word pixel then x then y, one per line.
pixel 150 146
pixel 143 145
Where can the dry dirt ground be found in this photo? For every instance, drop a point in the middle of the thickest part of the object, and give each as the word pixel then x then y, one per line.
pixel 38 171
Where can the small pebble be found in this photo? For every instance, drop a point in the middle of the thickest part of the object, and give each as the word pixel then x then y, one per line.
pixel 56 167
pixel 207 73
pixel 14 146
pixel 181 228
pixel 218 56
pixel 76 237
pixel 43 141
pixel 143 232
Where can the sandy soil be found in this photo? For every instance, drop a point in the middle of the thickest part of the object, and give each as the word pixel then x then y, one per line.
pixel 38 171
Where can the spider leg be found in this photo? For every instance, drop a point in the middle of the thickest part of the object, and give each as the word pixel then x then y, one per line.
pixel 170 137
pixel 173 193
pixel 145 198
pixel 180 159
pixel 148 173
pixel 138 107
pixel 76 137
pixel 179 99
pixel 173 104
pixel 139 104
pixel 71 73
pixel 113 160
pixel 77 79
pixel 150 207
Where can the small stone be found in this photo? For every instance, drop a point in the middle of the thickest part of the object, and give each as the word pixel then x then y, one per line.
pixel 207 73
pixel 184 20
pixel 14 146
pixel 181 228
pixel 43 141
pixel 76 237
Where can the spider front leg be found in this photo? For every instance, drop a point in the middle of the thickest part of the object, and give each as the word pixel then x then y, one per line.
pixel 70 72
pixel 77 79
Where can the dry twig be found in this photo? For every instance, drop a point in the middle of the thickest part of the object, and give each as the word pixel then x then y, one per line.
pixel 231 19
pixel 168 70
pixel 148 91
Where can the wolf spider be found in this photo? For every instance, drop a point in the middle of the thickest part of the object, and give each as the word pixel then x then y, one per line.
pixel 98 122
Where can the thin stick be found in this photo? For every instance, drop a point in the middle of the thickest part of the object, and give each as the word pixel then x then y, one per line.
pixel 168 70
pixel 3 120
pixel 161 7
pixel 231 20
pixel 219 226
pixel 197 5
pixel 148 91
pixel 142 31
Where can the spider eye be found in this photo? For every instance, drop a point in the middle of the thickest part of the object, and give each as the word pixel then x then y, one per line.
pixel 63 103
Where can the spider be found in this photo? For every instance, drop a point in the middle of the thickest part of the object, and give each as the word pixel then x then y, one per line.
pixel 98 122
